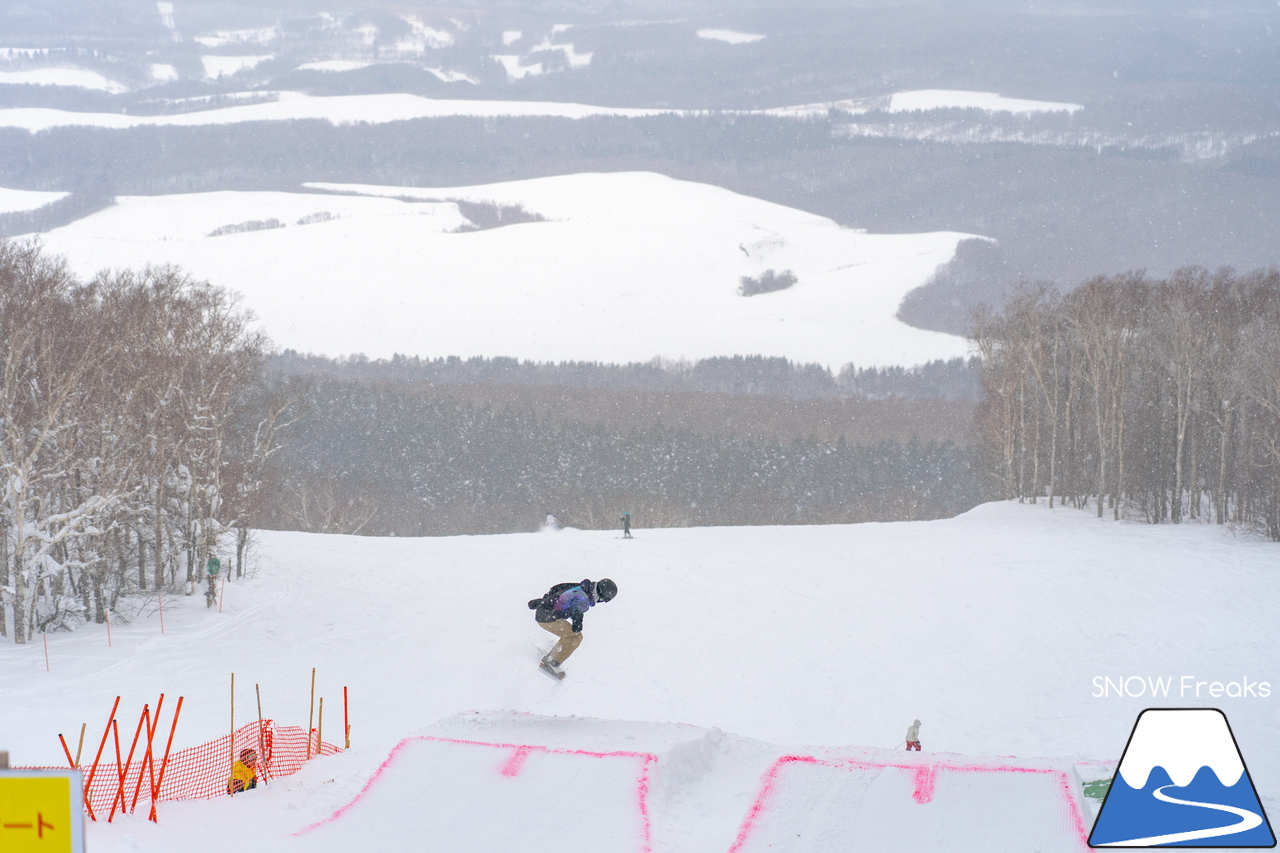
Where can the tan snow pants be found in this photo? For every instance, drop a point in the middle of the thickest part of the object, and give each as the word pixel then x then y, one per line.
pixel 569 639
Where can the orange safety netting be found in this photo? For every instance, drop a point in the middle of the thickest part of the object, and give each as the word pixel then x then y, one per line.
pixel 198 772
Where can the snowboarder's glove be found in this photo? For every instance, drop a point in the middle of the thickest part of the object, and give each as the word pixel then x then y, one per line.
pixel 534 602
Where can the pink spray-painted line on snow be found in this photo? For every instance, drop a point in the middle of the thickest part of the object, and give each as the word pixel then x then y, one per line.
pixel 925 777
pixel 510 768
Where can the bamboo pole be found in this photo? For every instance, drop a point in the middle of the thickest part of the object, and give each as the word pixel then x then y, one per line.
pixel 233 727
pixel 80 746
pixel 320 728
pixel 311 717
pixel 262 753
pixel 155 794
pixel 94 770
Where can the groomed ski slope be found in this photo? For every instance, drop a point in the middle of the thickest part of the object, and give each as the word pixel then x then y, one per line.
pixel 776 668
pixel 629 266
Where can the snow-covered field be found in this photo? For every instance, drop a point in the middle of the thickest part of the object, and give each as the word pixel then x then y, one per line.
pixel 730 36
pixel 630 266
pixel 377 109
pixel 726 650
pixel 15 200
pixel 77 77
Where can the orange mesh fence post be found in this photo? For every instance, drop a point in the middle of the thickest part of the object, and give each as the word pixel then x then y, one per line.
pixel 311 716
pixel 346 721
pixel 93 771
pixel 63 741
pixel 151 756
pixel 115 731
pixel 124 770
pixel 142 764
pixel 262 753
pixel 155 793
pixel 320 727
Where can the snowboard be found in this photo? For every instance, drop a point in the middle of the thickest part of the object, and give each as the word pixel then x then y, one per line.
pixel 551 673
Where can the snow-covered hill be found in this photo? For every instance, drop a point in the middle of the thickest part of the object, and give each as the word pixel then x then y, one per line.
pixel 995 629
pixel 629 266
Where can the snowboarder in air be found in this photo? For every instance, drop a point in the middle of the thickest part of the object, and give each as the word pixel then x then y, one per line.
pixel 626 524
pixel 913 736
pixel 560 611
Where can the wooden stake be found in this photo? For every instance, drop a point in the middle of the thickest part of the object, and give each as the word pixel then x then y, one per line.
pixel 79 747
pixel 311 717
pixel 108 612
pixel 46 650
pixel 160 598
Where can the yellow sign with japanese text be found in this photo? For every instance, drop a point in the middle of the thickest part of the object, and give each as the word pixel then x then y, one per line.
pixel 41 811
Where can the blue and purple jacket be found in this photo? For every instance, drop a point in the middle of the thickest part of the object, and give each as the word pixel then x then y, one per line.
pixel 565 601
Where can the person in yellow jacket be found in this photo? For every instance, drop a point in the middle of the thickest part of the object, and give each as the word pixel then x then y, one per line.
pixel 244 773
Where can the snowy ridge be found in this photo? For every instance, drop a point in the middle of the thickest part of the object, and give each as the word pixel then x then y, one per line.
pixel 588 284
pixel 1181 742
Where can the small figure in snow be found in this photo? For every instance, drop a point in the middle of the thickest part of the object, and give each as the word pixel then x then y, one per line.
pixel 551 523
pixel 626 524
pixel 211 570
pixel 913 737
pixel 560 611
pixel 244 773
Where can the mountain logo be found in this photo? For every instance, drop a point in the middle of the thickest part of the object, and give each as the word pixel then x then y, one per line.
pixel 1182 783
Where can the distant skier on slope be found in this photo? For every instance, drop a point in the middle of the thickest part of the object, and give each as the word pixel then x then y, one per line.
pixel 626 524
pixel 560 611
pixel 913 737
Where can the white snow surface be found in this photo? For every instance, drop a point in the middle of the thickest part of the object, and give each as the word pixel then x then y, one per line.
pixel 12 201
pixel 1181 742
pixel 726 650
pixel 630 266
pixel 338 109
pixel 334 65
pixel 376 109
pixel 730 36
pixel 937 99
pixel 80 78
pixel 162 71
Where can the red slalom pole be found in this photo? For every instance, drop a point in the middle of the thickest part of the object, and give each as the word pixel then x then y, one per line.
pixel 155 794
pixel 63 741
pixel 346 721
pixel 88 801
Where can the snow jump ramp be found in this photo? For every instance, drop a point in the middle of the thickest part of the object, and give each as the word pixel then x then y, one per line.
pixel 490 795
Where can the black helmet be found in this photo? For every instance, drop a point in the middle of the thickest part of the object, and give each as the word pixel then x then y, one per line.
pixel 606 589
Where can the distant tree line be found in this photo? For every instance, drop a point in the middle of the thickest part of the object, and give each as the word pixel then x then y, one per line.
pixel 381 457
pixel 64 211
pixel 1155 397
pixel 124 453
pixel 955 379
